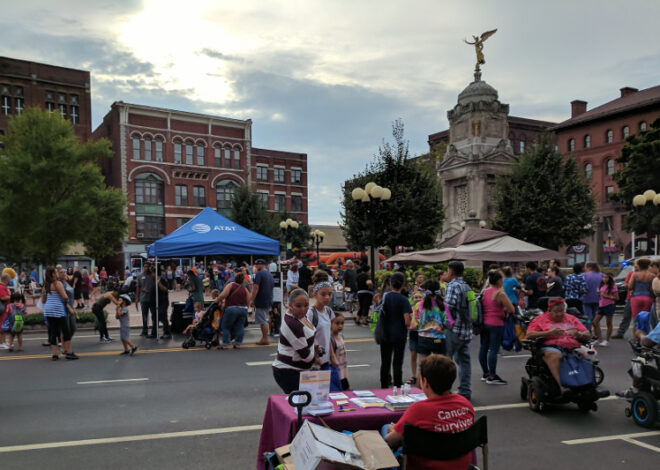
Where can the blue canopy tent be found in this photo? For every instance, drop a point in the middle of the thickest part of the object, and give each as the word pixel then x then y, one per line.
pixel 209 233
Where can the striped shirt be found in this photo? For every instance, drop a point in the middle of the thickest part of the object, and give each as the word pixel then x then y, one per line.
pixel 54 306
pixel 296 347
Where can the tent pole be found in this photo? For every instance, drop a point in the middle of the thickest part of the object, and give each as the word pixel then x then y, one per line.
pixel 157 281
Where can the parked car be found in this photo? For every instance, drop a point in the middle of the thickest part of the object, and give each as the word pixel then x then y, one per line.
pixel 620 277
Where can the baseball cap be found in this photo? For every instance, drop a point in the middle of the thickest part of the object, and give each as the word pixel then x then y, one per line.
pixel 260 261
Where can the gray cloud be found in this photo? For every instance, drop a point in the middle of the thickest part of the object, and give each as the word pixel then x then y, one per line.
pixel 212 53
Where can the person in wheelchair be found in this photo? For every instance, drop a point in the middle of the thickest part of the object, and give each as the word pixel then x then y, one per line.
pixel 650 340
pixel 442 412
pixel 559 330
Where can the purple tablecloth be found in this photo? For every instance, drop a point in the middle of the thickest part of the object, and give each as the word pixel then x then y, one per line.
pixel 281 419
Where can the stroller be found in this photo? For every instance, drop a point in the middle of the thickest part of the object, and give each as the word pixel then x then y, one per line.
pixel 204 331
pixel 643 405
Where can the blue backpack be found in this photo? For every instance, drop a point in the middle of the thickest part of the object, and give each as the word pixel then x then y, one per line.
pixel 575 370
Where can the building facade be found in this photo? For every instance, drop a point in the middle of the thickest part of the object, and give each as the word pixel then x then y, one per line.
pixel 57 89
pixel 596 138
pixel 171 164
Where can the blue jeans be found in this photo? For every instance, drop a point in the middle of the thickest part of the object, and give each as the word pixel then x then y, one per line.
pixel 491 340
pixel 233 325
pixel 459 351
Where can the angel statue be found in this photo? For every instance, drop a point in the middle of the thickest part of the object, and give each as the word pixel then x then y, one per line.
pixel 479 47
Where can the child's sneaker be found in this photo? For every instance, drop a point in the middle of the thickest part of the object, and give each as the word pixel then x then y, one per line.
pixel 133 349
pixel 124 353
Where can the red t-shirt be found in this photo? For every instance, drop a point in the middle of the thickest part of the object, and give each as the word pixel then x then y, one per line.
pixel 4 292
pixel 628 276
pixel 449 413
pixel 544 323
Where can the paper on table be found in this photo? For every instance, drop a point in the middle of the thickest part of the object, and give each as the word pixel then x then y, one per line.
pixel 337 396
pixel 363 393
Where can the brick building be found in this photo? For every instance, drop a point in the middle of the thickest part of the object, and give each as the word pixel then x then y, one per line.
pixel 171 164
pixel 58 89
pixel 596 137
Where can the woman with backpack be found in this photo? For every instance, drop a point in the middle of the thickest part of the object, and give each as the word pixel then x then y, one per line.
pixel 236 299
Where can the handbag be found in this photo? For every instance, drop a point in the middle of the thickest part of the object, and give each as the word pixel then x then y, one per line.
pixel 380 335
pixel 575 370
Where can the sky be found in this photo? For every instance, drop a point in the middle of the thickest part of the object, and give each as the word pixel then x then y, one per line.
pixel 328 78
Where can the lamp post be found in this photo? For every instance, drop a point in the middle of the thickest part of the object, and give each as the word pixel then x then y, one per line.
pixel 287 227
pixel 318 237
pixel 371 195
pixel 640 201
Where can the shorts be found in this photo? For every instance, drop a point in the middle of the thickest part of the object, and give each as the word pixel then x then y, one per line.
pixel 58 326
pixel 551 348
pixel 606 310
pixel 428 346
pixel 124 330
pixel 261 316
pixel 590 309
pixel 413 339
pixel 85 295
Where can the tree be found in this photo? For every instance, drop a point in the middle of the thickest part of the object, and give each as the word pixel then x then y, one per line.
pixel 52 192
pixel 414 214
pixel 545 200
pixel 641 166
pixel 248 210
pixel 299 238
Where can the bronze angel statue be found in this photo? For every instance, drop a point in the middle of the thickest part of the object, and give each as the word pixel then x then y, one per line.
pixel 478 44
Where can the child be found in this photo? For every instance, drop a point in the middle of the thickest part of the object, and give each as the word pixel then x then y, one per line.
pixel 606 305
pixel 124 325
pixel 198 317
pixel 320 315
pixel 16 320
pixel 339 350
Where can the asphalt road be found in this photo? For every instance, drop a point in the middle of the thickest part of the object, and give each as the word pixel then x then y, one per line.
pixel 214 401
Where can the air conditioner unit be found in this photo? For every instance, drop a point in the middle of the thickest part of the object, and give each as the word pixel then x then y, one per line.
pixel 140 235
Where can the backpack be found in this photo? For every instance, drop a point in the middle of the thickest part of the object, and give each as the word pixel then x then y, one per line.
pixel 475 309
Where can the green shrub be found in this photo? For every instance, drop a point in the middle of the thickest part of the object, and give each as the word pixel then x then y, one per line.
pixel 470 275
pixel 83 317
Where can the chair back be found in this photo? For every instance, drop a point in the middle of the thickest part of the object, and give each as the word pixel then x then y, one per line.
pixel 442 446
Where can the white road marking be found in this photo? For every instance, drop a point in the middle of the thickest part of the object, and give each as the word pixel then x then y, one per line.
pixel 615 437
pixel 506 406
pixel 136 438
pixel 512 356
pixel 46 338
pixel 258 363
pixel 352 350
pixel 92 382
pixel 642 444
pixel 359 365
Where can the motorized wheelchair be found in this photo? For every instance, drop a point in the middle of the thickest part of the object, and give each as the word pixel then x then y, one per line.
pixel 645 370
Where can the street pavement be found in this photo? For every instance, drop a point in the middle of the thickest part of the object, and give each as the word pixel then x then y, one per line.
pixel 170 408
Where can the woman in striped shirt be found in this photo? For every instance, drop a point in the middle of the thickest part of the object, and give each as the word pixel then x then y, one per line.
pixel 296 350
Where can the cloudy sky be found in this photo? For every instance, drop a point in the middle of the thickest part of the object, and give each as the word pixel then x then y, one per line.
pixel 328 77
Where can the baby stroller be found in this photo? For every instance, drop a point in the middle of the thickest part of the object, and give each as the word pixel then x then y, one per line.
pixel 643 406
pixel 204 331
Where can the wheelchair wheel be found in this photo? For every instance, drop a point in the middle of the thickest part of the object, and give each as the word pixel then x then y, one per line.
pixel 523 390
pixel 184 345
pixel 586 406
pixel 599 375
pixel 644 409
pixel 535 395
pixel 192 343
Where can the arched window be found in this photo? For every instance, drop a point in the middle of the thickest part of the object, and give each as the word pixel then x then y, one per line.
pixel 227 152
pixel 610 166
pixel 147 149
pixel 189 152
pixel 177 151
pixel 159 149
pixel 609 136
pixel 587 141
pixel 136 147
pixel 217 156
pixel 578 253
pixel 200 154
pixel 571 145
pixel 224 194
pixel 148 189
pixel 642 126
pixel 588 171
pixel 625 131
pixel 237 158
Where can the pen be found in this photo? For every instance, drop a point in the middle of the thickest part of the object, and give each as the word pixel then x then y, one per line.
pixel 346 409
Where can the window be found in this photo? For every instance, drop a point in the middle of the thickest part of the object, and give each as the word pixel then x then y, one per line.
pixel 159 150
pixel 6 105
pixel 200 155
pixel 609 136
pixel 61 98
pixel 75 114
pixel 625 131
pixel 556 148
pixel 587 141
pixel 224 194
pixel 148 189
pixel 278 175
pixel 522 146
pixel 610 166
pixel 642 126
pixel 147 149
pixel 571 145
pixel 199 196
pixel 19 105
pixel 136 148
pixel 50 101
pixel 189 154
pixel 609 190
pixel 217 155
pixel 150 228
pixel 73 99
pixel 296 176
pixel 237 159
pixel 181 195
pixel 296 203
pixel 262 173
pixel 50 107
pixel 264 199
pixel 588 171
pixel 227 157
pixel 177 152
pixel 62 108
pixel 279 202
pixel 181 221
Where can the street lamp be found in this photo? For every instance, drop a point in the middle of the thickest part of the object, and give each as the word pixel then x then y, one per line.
pixel 318 237
pixel 640 201
pixel 287 227
pixel 371 195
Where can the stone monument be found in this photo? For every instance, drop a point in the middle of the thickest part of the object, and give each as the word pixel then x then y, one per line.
pixel 478 151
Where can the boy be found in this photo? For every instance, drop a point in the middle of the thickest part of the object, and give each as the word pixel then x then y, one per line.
pixel 16 320
pixel 124 325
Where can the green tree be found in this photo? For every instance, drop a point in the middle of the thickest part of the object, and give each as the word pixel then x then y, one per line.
pixel 545 200
pixel 413 215
pixel 248 210
pixel 641 166
pixel 52 192
pixel 301 237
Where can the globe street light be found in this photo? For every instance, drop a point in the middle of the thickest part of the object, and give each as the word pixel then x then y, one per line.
pixel 287 227
pixel 641 200
pixel 318 237
pixel 371 195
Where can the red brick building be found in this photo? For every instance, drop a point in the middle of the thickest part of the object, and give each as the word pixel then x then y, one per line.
pixel 58 89
pixel 596 137
pixel 171 164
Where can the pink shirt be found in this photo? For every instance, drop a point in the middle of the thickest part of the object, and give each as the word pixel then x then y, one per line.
pixel 493 312
pixel 603 302
pixel 544 323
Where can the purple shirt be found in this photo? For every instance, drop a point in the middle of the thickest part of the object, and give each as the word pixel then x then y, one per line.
pixel 593 284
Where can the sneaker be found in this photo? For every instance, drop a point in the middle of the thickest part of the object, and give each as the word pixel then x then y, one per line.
pixel 484 377
pixel 109 338
pixel 72 356
pixel 144 333
pixel 105 341
pixel 124 353
pixel 603 343
pixel 627 394
pixel 135 348
pixel 617 336
pixel 5 346
pixel 166 337
pixel 496 380
pixel 55 357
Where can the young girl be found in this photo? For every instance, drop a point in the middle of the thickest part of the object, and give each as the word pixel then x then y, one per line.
pixel 606 305
pixel 320 315
pixel 16 320
pixel 198 317
pixel 339 350
pixel 124 325
pixel 431 319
